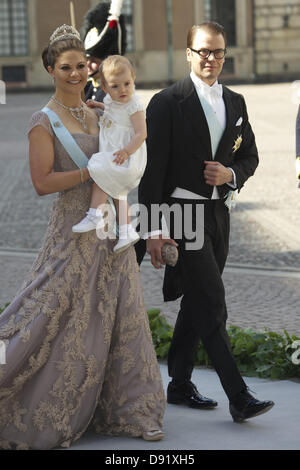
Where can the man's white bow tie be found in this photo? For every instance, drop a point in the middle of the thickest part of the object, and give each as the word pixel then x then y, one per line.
pixel 215 91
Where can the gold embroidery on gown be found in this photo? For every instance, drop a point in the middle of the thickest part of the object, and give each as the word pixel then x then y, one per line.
pixel 79 348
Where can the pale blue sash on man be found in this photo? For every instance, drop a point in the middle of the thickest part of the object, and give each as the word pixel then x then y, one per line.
pixel 216 132
pixel 214 126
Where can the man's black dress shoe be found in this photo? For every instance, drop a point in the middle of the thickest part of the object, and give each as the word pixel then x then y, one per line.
pixel 245 406
pixel 188 394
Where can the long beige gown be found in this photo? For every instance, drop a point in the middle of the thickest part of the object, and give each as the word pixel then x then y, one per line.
pixel 79 349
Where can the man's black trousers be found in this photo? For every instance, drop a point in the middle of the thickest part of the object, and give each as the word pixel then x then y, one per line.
pixel 203 313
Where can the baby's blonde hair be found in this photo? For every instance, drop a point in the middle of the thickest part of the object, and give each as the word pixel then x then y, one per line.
pixel 114 65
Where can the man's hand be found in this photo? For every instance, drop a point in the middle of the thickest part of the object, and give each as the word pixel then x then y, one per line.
pixel 216 174
pixel 154 246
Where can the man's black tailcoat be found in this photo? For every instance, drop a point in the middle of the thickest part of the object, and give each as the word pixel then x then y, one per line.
pixel 178 143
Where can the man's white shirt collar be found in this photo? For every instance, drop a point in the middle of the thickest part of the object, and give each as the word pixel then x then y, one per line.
pixel 205 89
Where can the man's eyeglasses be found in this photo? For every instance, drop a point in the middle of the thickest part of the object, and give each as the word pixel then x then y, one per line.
pixel 205 53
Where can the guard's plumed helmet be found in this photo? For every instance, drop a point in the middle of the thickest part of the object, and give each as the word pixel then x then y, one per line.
pixel 103 31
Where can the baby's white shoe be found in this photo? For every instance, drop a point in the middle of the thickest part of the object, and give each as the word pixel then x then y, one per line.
pixel 90 222
pixel 127 237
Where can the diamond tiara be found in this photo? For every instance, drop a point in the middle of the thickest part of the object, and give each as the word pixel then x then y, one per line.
pixel 64 32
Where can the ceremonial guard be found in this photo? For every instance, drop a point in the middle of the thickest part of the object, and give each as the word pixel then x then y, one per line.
pixel 103 32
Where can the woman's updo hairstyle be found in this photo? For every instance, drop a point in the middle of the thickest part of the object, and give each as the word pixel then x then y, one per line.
pixel 65 38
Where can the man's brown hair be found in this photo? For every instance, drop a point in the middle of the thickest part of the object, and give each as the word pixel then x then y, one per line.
pixel 210 26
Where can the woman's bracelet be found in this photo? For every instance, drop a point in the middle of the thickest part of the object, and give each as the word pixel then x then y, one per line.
pixel 84 178
pixel 81 175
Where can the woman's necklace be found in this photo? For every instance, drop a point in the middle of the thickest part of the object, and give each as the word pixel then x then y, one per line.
pixel 77 113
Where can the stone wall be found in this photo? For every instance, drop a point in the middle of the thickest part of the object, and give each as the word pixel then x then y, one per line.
pixel 267 39
pixel 277 38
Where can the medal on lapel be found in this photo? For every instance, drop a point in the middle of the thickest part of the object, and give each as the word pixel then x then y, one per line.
pixel 237 143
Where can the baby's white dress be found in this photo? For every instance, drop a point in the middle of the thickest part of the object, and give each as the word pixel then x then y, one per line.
pixel 116 131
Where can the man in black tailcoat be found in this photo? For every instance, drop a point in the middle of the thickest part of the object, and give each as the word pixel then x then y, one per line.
pixel 200 147
pixel 100 42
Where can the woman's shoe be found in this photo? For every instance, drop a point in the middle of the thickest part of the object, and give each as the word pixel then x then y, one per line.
pixel 156 435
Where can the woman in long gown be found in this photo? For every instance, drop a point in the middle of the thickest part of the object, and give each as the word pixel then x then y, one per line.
pixel 79 350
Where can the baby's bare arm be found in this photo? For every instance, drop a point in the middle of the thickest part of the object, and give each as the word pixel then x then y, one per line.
pixel 138 120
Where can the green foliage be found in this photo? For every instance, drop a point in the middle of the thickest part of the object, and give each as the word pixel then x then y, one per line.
pixel 161 333
pixel 262 354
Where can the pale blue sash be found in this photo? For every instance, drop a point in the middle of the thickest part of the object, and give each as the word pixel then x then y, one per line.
pixel 66 139
pixel 215 128
pixel 216 132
